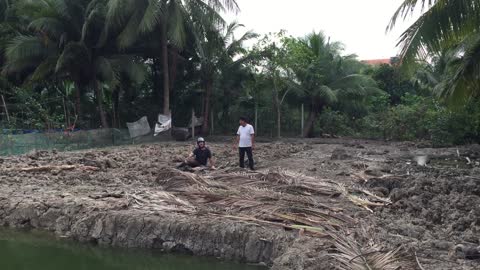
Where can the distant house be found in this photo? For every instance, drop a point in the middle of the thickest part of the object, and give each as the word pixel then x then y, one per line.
pixel 377 62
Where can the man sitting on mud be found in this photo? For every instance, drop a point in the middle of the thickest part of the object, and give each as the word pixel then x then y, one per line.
pixel 200 157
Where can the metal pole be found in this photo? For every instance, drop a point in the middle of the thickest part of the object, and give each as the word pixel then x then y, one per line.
pixel 302 120
pixel 6 109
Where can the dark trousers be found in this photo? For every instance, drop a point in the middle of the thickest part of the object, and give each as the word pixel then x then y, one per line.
pixel 242 151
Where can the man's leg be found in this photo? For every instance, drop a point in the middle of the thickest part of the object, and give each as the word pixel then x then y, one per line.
pixel 250 158
pixel 242 157
pixel 192 162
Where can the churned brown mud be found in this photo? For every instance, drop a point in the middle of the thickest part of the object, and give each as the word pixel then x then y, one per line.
pixel 312 204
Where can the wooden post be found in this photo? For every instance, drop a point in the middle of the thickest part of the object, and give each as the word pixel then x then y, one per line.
pixel 67 124
pixel 6 109
pixel 193 124
pixel 302 120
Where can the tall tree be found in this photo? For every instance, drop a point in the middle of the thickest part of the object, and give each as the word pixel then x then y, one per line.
pixel 66 40
pixel 219 53
pixel 172 19
pixel 443 25
pixel 323 74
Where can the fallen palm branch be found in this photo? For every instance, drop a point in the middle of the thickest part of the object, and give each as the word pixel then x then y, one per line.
pixel 363 202
pixel 359 252
pixel 319 232
pixel 269 197
pixel 55 168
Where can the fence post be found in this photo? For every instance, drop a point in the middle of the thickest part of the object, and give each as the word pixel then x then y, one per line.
pixel 6 109
pixel 302 120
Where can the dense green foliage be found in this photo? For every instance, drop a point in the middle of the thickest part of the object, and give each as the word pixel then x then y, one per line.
pixel 103 63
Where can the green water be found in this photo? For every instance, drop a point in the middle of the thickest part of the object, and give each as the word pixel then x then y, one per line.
pixel 36 251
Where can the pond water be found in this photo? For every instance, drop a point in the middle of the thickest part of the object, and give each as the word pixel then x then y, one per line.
pixel 37 251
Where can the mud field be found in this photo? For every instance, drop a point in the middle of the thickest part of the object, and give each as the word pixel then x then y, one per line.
pixel 311 204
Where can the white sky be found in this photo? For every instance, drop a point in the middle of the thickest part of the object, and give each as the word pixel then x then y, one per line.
pixel 359 24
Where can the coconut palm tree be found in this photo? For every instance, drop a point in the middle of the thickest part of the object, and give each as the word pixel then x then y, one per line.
pixel 219 53
pixel 64 42
pixel 324 75
pixel 172 19
pixel 443 25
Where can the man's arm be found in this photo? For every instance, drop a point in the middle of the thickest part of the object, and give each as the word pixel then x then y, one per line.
pixel 236 141
pixel 253 141
pixel 192 154
pixel 252 135
pixel 211 163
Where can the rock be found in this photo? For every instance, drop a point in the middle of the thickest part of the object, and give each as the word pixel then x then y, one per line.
pixel 468 252
pixel 339 154
pixel 440 244
pixel 381 191
pixel 111 164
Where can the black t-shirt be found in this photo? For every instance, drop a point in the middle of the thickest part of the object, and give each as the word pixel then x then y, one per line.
pixel 202 155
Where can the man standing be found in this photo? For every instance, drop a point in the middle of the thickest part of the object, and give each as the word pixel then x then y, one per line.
pixel 246 142
pixel 201 156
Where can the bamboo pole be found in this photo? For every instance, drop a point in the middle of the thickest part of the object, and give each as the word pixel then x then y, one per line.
pixel 6 109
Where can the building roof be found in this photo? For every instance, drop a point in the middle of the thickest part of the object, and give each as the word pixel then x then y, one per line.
pixel 378 61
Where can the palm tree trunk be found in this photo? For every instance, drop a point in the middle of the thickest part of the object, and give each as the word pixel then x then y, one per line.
pixel 206 107
pixel 309 130
pixel 276 105
pixel 101 109
pixel 157 89
pixel 173 67
pixel 166 77
pixel 115 99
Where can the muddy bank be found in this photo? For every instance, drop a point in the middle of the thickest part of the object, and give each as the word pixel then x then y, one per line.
pixel 134 229
pixel 313 204
pixel 130 197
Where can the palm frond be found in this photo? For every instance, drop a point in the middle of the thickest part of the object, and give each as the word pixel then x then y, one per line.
pixel 352 254
pixel 52 26
pixel 464 82
pixel 444 24
pixel 118 12
pixel 25 47
pixel 176 24
pixel 152 16
pixel 325 93
pixel 75 55
pixel 45 69
pixel 407 8
pixel 130 33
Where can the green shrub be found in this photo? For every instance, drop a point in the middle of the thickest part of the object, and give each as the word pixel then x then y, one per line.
pixel 335 123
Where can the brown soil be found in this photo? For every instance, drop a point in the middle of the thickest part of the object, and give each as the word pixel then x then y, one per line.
pixel 308 200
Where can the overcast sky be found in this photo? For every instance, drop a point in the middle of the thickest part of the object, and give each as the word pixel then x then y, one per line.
pixel 359 24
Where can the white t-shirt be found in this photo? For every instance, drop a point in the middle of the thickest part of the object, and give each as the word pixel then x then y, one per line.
pixel 245 133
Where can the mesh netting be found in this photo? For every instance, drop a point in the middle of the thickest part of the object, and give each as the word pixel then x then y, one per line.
pixel 16 144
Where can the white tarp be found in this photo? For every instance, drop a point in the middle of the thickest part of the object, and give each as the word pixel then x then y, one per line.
pixel 139 128
pixel 164 123
pixel 198 122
